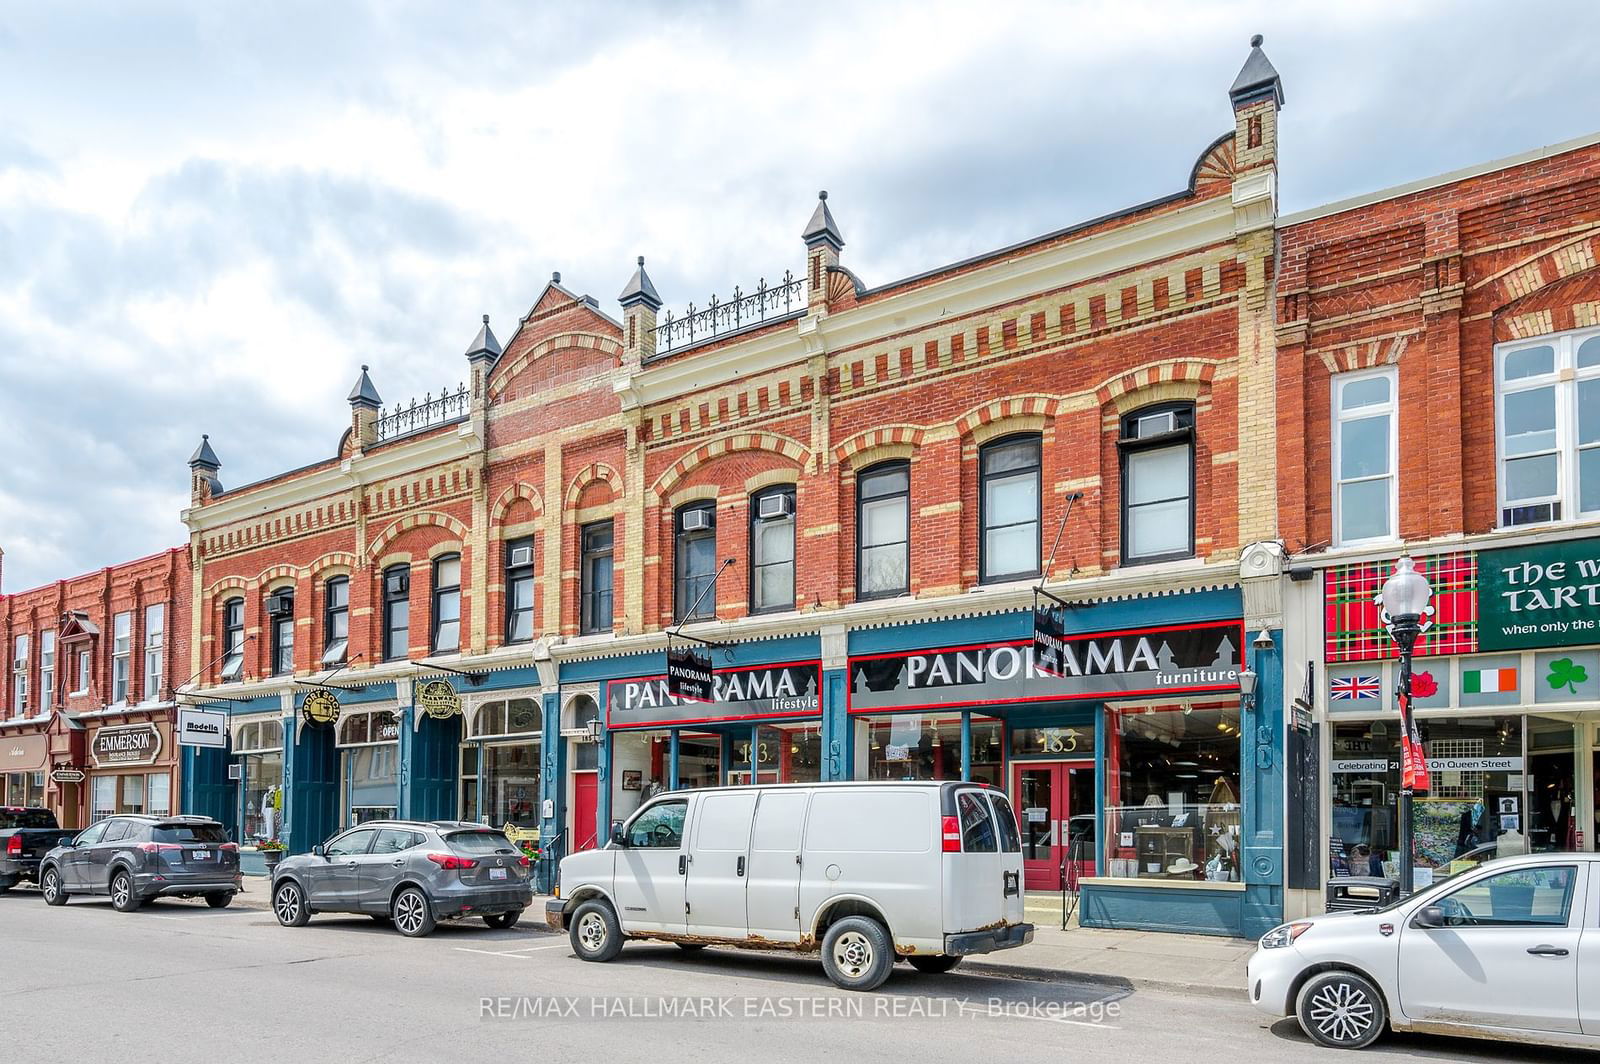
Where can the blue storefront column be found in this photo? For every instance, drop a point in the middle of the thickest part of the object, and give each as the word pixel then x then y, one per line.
pixel 966 744
pixel 672 760
pixel 404 751
pixel 1262 782
pixel 552 790
pixel 836 738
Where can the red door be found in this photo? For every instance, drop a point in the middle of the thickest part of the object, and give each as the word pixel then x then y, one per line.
pixel 584 828
pixel 1055 805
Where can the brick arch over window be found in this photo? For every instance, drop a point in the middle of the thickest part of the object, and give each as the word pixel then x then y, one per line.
pixel 560 342
pixel 588 475
pixel 332 560
pixel 898 436
pixel 1014 412
pixel 276 573
pixel 417 520
pixel 1570 257
pixel 230 583
pixel 519 490
pixel 1369 354
pixel 1570 303
pixel 1152 382
pixel 770 442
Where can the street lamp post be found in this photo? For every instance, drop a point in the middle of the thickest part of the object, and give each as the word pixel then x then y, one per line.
pixel 1406 614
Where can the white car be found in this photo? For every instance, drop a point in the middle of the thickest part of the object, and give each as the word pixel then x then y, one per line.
pixel 867 872
pixel 1508 950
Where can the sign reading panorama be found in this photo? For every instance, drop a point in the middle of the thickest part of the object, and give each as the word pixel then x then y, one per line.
pixel 747 693
pixel 1141 662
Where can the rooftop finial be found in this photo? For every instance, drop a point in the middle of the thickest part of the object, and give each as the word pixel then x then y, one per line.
pixel 641 260
pixel 823 195
pixel 822 228
pixel 486 319
pixel 555 277
pixel 1255 41
pixel 484 346
pixel 1257 79
pixel 640 290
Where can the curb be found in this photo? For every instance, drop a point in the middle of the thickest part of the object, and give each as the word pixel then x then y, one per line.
pixel 1123 983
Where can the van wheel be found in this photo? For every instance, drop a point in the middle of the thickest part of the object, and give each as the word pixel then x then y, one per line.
pixel 51 886
pixel 123 899
pixel 934 964
pixel 596 935
pixel 289 904
pixel 856 953
pixel 1341 1010
pixel 413 916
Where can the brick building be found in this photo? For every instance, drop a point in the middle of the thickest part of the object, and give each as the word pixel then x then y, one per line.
pixel 88 706
pixel 1439 387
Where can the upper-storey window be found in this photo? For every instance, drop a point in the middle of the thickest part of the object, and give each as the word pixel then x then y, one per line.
pixel 883 501
pixel 47 669
pixel 1548 428
pixel 1008 509
pixel 1364 451
pixel 280 614
pixel 396 612
pixel 232 639
pixel 155 637
pixel 446 618
pixel 19 676
pixel 595 579
pixel 82 687
pixel 336 620
pixel 1157 446
pixel 772 549
pixel 121 655
pixel 695 563
pixel 519 590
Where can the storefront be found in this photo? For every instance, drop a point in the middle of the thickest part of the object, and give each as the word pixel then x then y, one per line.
pixel 258 750
pixel 131 767
pixel 501 758
pixel 369 749
pixel 24 768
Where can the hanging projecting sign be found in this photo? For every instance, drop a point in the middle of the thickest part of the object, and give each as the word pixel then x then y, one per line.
pixel 202 727
pixel 748 693
pixel 438 699
pixel 689 673
pixel 67 774
pixel 320 707
pixel 1049 637
pixel 1540 595
pixel 132 744
pixel 1180 659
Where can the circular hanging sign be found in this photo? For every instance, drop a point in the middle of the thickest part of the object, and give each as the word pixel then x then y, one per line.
pixel 320 707
pixel 438 699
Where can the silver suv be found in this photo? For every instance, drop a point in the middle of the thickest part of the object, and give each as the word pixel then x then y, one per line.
pixel 411 872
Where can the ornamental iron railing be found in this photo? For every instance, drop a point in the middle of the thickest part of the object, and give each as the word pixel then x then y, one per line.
pixel 721 318
pixel 425 413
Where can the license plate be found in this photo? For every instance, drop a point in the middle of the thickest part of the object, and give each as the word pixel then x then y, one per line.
pixel 199 855
pixel 497 873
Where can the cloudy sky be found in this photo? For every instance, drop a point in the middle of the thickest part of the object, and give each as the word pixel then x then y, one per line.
pixel 212 213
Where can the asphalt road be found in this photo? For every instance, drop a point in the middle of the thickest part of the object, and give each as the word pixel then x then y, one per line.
pixel 179 982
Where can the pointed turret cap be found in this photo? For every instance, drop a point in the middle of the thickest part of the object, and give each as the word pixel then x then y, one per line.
pixel 364 394
pixel 485 347
pixel 640 290
pixel 204 457
pixel 822 228
pixel 1257 79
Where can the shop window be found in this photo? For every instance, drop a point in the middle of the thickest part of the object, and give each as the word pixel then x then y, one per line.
pixel 595 579
pixel 883 503
pixel 155 630
pixel 1157 448
pixel 158 794
pixel 699 760
pixel 25 789
pixel 1364 447
pixel 336 621
pixel 133 794
pixel 927 746
pixel 469 782
pixel 519 590
pixel 280 620
pixel 1171 782
pixel 515 716
pixel 47 670
pixel 772 519
pixel 233 639
pixel 19 676
pixel 1548 428
pixel 1008 509
pixel 446 617
pixel 121 655
pixel 695 560
pixel 585 755
pixel 259 747
pixel 396 612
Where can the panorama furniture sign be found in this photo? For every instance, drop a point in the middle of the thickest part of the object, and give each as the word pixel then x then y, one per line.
pixel 747 693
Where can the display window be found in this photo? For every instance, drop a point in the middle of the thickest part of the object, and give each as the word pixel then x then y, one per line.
pixel 370 745
pixel 24 789
pixel 259 747
pixel 141 792
pixel 927 746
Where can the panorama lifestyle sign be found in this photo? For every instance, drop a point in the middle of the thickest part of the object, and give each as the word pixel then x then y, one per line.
pixel 1540 595
pixel 1179 659
pixel 747 693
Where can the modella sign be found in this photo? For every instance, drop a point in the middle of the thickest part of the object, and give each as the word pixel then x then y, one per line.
pixel 133 744
pixel 1541 595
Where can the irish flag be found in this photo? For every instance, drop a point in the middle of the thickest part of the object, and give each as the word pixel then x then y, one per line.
pixel 1488 681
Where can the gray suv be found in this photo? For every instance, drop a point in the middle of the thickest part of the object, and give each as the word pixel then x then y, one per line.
pixel 136 858
pixel 413 873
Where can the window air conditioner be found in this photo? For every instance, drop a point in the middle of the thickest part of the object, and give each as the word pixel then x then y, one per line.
pixel 398 583
pixel 696 520
pixel 775 506
pixel 521 556
pixel 280 605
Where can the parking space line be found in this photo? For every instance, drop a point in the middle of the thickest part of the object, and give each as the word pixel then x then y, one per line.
pixel 517 953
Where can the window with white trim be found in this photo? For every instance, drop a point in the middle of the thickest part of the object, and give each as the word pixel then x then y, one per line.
pixel 47 670
pixel 155 631
pixel 232 639
pixel 1365 497
pixel 121 655
pixel 83 673
pixel 19 677
pixel 1547 428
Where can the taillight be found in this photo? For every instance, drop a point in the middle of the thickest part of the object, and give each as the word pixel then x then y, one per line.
pixel 229 847
pixel 158 847
pixel 13 845
pixel 449 861
pixel 952 834
pixel 525 862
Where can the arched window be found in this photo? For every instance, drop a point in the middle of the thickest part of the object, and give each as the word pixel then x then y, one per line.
pixel 280 615
pixel 695 559
pixel 883 522
pixel 336 620
pixel 772 549
pixel 396 612
pixel 233 638
pixel 1008 509
pixel 446 618
pixel 1157 448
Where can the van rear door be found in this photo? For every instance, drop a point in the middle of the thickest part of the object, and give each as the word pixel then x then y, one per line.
pixel 1010 858
pixel 974 881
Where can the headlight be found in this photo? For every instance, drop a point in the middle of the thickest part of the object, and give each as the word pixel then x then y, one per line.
pixel 1281 936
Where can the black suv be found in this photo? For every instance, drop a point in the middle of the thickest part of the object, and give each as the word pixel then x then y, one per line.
pixel 136 858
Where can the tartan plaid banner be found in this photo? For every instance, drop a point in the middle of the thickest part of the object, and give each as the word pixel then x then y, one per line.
pixel 1354 632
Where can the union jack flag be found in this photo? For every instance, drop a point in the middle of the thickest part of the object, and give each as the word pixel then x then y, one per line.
pixel 1346 688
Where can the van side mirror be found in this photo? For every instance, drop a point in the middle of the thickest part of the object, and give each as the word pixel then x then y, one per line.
pixel 316 851
pixel 1429 917
pixel 618 836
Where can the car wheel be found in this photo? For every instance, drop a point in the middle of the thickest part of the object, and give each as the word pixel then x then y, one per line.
pixel 1341 1010
pixel 220 899
pixel 123 897
pixel 691 947
pixel 935 964
pixel 50 884
pixel 856 953
pixel 289 904
pixel 412 914
pixel 7 884
pixel 501 921
pixel 595 934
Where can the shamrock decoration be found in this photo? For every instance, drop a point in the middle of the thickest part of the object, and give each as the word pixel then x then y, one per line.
pixel 1423 685
pixel 1564 672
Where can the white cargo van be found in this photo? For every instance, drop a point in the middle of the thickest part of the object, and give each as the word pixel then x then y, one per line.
pixel 866 872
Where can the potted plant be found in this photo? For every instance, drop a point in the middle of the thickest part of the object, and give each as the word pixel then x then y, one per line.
pixel 271 851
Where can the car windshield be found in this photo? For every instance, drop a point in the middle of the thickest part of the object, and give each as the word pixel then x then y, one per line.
pixel 189 834
pixel 479 842
pixel 26 818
